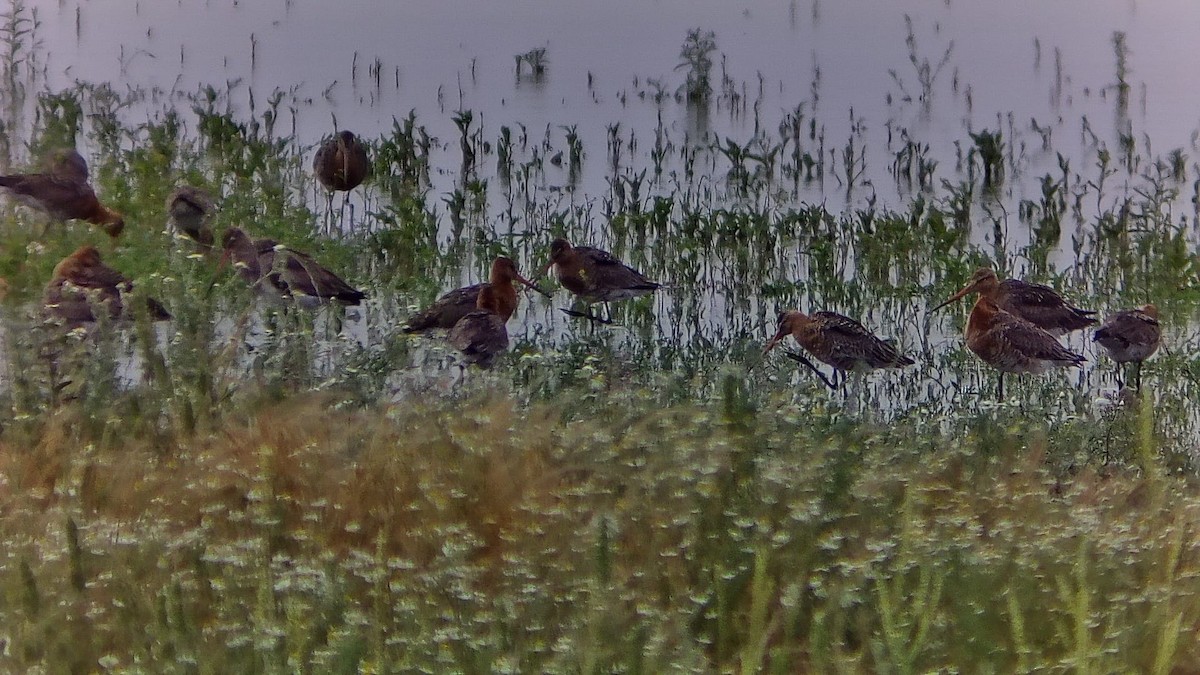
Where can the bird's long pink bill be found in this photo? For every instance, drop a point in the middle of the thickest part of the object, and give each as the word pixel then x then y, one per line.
pixel 529 284
pixel 954 297
pixel 774 341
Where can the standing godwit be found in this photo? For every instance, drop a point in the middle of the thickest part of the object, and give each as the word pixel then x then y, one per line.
pixel 275 268
pixel 481 335
pixel 1011 344
pixel 68 163
pixel 82 281
pixel 838 341
pixel 595 276
pixel 1131 335
pixel 190 212
pixel 1037 304
pixel 63 195
pixel 341 164
pixel 456 304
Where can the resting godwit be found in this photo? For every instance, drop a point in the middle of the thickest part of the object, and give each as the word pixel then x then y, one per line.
pixel 277 269
pixel 1011 344
pixel 1131 335
pixel 595 276
pixel 190 213
pixel 63 196
pixel 838 341
pixel 456 304
pixel 481 335
pixel 247 256
pixel 81 281
pixel 1037 304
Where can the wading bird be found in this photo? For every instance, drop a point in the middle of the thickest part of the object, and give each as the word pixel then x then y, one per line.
pixel 481 335
pixel 280 271
pixel 595 276
pixel 1037 304
pixel 63 194
pixel 838 341
pixel 190 212
pixel 68 163
pixel 1011 344
pixel 81 282
pixel 1131 336
pixel 456 304
pixel 341 164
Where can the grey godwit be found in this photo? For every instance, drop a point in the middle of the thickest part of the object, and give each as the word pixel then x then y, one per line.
pixel 1131 336
pixel 481 335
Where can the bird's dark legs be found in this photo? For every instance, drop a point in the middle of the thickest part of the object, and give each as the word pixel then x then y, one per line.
pixel 346 202
pixel 1137 375
pixel 329 212
pixel 586 315
pixel 1000 388
pixel 800 358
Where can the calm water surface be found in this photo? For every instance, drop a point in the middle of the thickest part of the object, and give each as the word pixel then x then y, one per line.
pixel 459 54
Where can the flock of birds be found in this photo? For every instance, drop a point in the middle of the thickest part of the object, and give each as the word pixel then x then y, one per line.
pixel 1014 326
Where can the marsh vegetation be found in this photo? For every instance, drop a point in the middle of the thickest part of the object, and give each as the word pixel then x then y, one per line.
pixel 260 488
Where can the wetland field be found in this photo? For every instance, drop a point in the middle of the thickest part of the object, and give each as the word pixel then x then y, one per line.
pixel 258 486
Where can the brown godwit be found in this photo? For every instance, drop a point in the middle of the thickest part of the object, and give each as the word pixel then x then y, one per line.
pixel 456 304
pixel 1011 344
pixel 81 281
pixel 595 276
pixel 278 270
pixel 341 162
pixel 838 341
pixel 1131 336
pixel 190 212
pixel 63 195
pixel 247 256
pixel 68 163
pixel 1037 304
pixel 480 335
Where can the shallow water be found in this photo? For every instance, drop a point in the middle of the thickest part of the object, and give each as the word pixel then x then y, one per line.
pixel 1045 75
pixel 459 55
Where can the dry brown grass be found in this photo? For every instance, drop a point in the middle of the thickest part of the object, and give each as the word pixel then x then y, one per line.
pixel 480 534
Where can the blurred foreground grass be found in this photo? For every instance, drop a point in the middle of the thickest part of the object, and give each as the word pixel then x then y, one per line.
pixel 479 534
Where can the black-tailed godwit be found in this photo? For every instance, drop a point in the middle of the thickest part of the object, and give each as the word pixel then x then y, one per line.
pixel 838 341
pixel 481 335
pixel 1040 305
pixel 594 275
pixel 456 304
pixel 1131 336
pixel 81 282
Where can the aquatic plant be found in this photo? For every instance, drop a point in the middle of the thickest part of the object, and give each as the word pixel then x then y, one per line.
pixel 696 58
pixel 536 60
